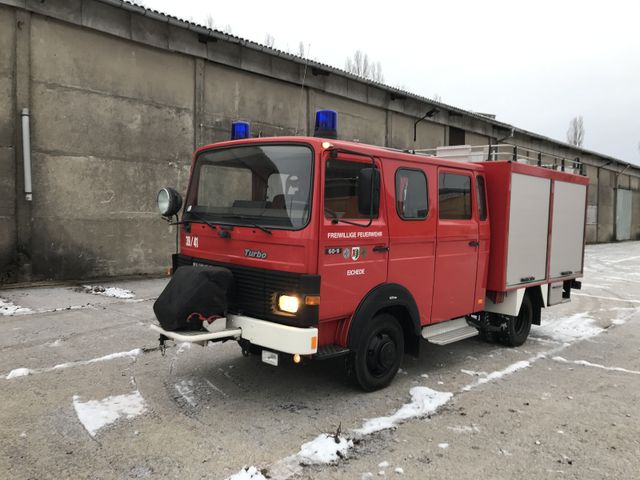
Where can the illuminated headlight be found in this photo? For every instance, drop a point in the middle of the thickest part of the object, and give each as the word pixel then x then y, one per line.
pixel 288 304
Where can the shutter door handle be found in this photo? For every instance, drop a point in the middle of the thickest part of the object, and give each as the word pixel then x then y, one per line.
pixel 381 248
pixel 474 243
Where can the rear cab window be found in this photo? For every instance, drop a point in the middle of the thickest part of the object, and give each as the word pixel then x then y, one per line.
pixel 454 196
pixel 412 200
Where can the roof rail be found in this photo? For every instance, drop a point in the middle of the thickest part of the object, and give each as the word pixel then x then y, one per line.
pixel 513 153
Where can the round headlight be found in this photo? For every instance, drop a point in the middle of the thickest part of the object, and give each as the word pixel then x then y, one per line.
pixel 169 202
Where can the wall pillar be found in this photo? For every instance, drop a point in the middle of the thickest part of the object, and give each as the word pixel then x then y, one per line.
pixel 22 100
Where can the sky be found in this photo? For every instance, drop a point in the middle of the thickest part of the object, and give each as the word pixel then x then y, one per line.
pixel 535 65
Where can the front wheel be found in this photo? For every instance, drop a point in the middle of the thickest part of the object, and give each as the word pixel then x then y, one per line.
pixel 518 328
pixel 379 353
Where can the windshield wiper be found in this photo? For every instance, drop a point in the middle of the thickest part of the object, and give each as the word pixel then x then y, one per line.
pixel 335 219
pixel 200 219
pixel 250 223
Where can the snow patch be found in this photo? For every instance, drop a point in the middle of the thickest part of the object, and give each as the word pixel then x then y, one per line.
pixel 112 356
pixel 247 473
pixel 464 429
pixel 324 449
pixel 443 445
pixel 185 389
pixel 114 292
pixel 19 372
pixel 424 401
pixel 498 374
pixel 9 308
pixel 569 329
pixel 595 365
pixel 96 414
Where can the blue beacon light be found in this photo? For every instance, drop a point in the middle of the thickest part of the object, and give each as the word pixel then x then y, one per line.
pixel 326 124
pixel 240 130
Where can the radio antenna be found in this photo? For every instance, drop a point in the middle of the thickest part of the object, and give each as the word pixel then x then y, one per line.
pixel 304 78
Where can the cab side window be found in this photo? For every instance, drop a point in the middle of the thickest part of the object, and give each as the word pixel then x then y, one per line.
pixel 412 200
pixel 341 189
pixel 454 196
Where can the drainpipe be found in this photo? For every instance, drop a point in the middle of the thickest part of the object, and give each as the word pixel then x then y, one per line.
pixel 26 154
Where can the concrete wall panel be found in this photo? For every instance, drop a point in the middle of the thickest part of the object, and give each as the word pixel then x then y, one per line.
pixel 93 61
pixel 273 107
pixel 129 246
pixel 93 187
pixel 98 217
pixel 7 138
pixel 605 206
pixel 471 138
pixel 356 121
pixel 106 18
pixel 635 215
pixel 429 134
pixel 84 123
pixel 7 182
pixel 7 65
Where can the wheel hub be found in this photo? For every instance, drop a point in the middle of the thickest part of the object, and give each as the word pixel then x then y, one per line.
pixel 381 354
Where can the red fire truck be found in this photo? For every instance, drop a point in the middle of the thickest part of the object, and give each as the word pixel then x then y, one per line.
pixel 339 248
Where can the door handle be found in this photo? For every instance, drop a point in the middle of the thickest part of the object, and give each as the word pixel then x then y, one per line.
pixel 381 248
pixel 474 243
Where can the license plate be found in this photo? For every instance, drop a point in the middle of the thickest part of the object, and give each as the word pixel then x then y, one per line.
pixel 270 357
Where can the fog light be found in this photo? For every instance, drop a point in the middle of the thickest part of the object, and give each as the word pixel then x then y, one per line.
pixel 288 304
pixel 296 358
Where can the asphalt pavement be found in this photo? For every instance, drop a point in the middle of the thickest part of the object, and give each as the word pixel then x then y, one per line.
pixel 86 393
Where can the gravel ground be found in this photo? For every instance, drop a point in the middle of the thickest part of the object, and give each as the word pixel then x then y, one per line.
pixel 85 393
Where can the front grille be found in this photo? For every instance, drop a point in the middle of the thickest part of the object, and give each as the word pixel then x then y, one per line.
pixel 255 290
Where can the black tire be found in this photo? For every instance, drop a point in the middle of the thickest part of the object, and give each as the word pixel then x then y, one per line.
pixel 518 328
pixel 379 353
pixel 487 336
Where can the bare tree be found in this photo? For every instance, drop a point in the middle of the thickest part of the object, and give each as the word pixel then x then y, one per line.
pixel 209 22
pixel 359 64
pixel 575 133
pixel 269 40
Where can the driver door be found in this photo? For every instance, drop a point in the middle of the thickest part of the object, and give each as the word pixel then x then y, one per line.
pixel 352 256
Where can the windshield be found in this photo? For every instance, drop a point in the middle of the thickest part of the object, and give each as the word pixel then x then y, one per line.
pixel 267 185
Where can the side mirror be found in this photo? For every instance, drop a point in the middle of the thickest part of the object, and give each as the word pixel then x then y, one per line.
pixel 169 202
pixel 368 190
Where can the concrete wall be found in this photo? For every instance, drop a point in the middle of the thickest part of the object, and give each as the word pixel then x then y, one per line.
pixel 120 98
pixel 111 125
pixel 7 139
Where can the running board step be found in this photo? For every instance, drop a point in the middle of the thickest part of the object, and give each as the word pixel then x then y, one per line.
pixel 448 332
pixel 331 351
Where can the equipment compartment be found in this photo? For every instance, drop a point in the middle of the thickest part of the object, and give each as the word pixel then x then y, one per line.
pixel 537 224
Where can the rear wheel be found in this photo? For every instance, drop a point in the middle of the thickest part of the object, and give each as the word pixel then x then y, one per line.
pixel 379 353
pixel 518 328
